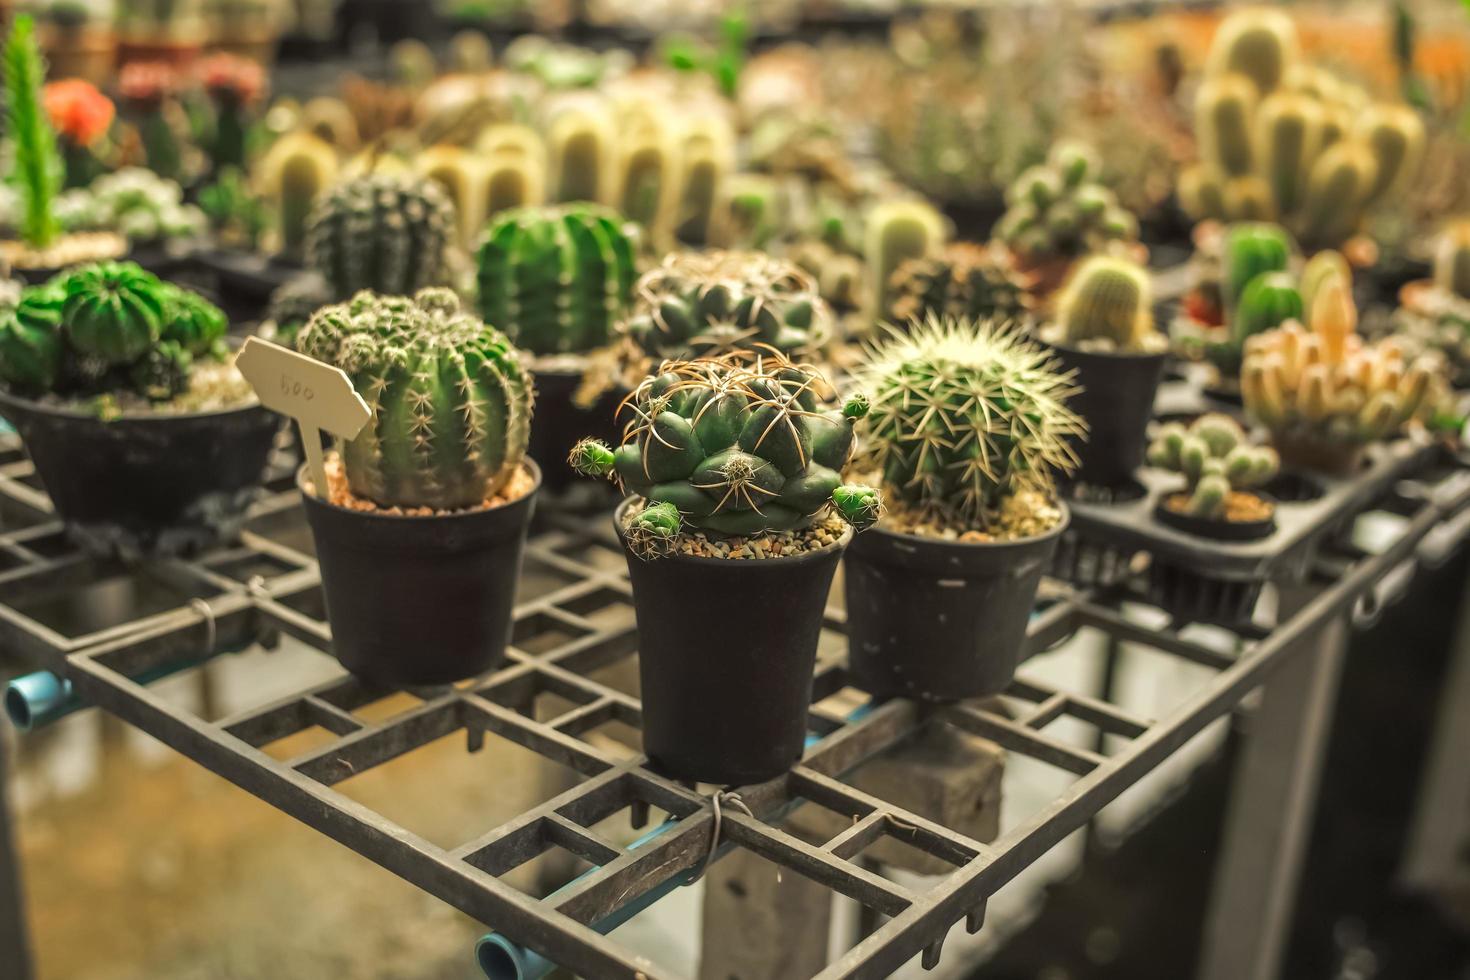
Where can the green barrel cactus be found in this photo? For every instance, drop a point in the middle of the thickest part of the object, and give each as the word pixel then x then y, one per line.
pixel 557 279
pixel 699 303
pixel 450 400
pixel 965 415
pixel 1215 458
pixel 965 280
pixel 31 346
pixel 387 233
pixel 1107 304
pixel 1268 301
pixel 192 322
pixel 113 312
pixel 738 445
pixel 1251 249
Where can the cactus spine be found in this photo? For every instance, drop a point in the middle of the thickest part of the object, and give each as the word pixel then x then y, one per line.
pixel 388 233
pixel 1107 304
pixel 450 401
pixel 897 231
pixel 1215 458
pixel 735 445
pixel 557 279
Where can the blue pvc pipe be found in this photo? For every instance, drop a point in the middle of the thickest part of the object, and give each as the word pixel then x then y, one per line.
pixel 39 699
pixel 501 958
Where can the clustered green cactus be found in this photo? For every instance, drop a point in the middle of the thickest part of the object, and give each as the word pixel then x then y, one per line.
pixel 1058 210
pixel 1215 458
pixel 1107 305
pixel 387 233
pixel 107 327
pixel 704 303
pixel 557 279
pixel 739 444
pixel 1287 141
pixel 1256 293
pixel 450 399
pixel 977 282
pixel 1323 392
pixel 965 415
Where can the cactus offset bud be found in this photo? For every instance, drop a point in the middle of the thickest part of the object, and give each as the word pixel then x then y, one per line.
pixel 591 457
pixel 965 415
pixel 556 279
pixel 1107 302
pixel 385 233
pixel 858 505
pixel 738 445
pixel 652 531
pixel 450 401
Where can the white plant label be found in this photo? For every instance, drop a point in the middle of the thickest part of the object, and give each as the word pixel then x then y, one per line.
pixel 318 396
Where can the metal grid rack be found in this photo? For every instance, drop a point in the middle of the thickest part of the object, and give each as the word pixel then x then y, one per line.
pixel 267 584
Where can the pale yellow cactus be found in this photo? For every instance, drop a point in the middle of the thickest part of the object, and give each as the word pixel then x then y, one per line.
pixel 512 170
pixel 457 171
pixel 296 169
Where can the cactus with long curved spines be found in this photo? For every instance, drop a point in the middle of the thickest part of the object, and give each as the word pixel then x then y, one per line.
pixel 976 282
pixel 296 170
pixel 1251 249
pixel 1107 305
pixel 388 233
pixel 1059 211
pixel 31 347
pixel 450 400
pixel 698 303
pixel 963 416
pixel 740 444
pixel 894 232
pixel 1452 260
pixel 1215 457
pixel 1322 387
pixel 557 279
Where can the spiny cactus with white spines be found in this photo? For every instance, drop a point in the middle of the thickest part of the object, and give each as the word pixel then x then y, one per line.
pixel 1215 457
pixel 451 402
pixel 1322 388
pixel 1107 305
pixel 965 414
pixel 740 444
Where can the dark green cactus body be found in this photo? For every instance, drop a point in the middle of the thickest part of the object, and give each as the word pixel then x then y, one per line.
pixel 699 303
pixel 1268 301
pixel 293 303
pixel 163 371
pixel 966 280
pixel 738 444
pixel 1251 249
pixel 192 322
pixel 387 233
pixel 451 402
pixel 113 311
pixel 557 279
pixel 31 347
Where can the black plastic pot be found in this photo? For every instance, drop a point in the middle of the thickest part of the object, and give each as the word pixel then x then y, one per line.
pixel 726 650
pixel 147 484
pixel 559 423
pixel 940 620
pixel 1117 400
pixel 244 281
pixel 1214 527
pixel 419 601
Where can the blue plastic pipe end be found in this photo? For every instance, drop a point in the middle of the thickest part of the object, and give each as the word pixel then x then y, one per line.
pixel 38 699
pixel 501 959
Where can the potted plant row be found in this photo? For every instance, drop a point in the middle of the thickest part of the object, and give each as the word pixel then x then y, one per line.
pixel 1223 474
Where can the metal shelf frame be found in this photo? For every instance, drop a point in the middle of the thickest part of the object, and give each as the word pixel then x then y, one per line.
pixel 265 585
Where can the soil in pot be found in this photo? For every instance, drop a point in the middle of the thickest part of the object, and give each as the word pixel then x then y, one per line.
pixel 1248 517
pixel 142 482
pixel 35 266
pixel 727 646
pixel 1117 400
pixel 419 598
pixel 943 618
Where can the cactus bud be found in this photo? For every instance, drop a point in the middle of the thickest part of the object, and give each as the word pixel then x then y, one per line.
pixel 858 505
pixel 591 457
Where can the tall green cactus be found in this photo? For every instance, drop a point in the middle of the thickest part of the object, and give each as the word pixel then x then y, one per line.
pixel 388 233
pixel 964 415
pixel 1251 249
pixel 556 279
pixel 737 445
pixel 1107 302
pixel 31 347
pixel 37 170
pixel 450 400
pixel 698 303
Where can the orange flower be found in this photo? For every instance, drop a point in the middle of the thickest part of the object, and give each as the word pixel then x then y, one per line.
pixel 78 110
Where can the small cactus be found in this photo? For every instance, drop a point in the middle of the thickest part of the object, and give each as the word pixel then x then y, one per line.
pixel 1107 304
pixel 1267 301
pixel 963 416
pixel 1452 260
pixel 295 172
pixel 1058 210
pixel 897 231
pixel 965 280
pixel 31 347
pixel 652 532
pixel 1251 249
pixel 113 312
pixel 1327 266
pixel 698 303
pixel 386 233
pixel 192 322
pixel 450 400
pixel 1215 458
pixel 557 279
pixel 734 445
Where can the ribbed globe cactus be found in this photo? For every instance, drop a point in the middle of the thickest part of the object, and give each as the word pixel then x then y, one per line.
pixel 556 279
pixel 450 399
pixel 965 280
pixel 738 445
pixel 1215 457
pixel 388 233
pixel 192 322
pixel 1107 305
pixel 964 415
pixel 31 347
pixel 704 303
pixel 113 312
